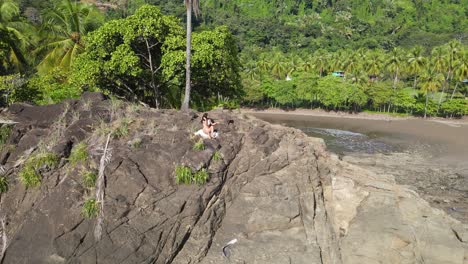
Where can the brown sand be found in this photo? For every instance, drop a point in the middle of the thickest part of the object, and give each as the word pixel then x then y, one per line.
pixel 446 139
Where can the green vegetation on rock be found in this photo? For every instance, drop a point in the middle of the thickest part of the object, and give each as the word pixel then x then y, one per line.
pixel 183 175
pixel 90 208
pixel 29 174
pixel 199 145
pixel 89 178
pixel 217 156
pixel 3 184
pixel 79 153
pixel 200 177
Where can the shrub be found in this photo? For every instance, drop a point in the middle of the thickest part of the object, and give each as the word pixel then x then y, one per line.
pixel 201 176
pixel 3 184
pixel 199 145
pixel 79 153
pixel 89 179
pixel 217 156
pixel 29 174
pixel 183 175
pixel 90 208
pixel 455 107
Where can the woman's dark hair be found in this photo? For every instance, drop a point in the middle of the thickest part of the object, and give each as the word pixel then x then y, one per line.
pixel 210 121
pixel 205 116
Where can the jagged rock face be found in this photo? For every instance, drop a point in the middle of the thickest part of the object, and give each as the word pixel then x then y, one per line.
pixel 276 191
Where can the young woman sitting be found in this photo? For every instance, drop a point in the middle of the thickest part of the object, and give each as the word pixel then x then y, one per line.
pixel 208 130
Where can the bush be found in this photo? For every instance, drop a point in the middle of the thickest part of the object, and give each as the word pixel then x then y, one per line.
pixel 79 153
pixel 52 87
pixel 90 208
pixel 3 184
pixel 200 177
pixel 89 179
pixel 455 107
pixel 199 145
pixel 183 175
pixel 29 174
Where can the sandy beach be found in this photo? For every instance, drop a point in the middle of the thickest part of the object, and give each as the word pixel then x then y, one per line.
pixel 429 155
pixel 441 137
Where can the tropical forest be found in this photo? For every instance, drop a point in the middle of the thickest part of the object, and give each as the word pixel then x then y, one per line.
pixel 398 57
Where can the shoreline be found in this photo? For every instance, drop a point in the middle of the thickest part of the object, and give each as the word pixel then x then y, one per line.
pixel 360 115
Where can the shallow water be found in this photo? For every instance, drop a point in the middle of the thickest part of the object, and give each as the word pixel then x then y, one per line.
pixel 342 141
pixel 438 140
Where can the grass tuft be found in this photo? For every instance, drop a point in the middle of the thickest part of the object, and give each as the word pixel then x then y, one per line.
pixel 136 143
pixel 5 132
pixel 200 177
pixel 29 174
pixel 89 179
pixel 30 177
pixel 199 145
pixel 183 175
pixel 79 153
pixel 122 129
pixel 90 208
pixel 3 184
pixel 217 156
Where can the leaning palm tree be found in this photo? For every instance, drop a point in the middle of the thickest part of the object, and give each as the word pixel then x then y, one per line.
pixel 431 82
pixel 65 25
pixel 14 35
pixel 191 5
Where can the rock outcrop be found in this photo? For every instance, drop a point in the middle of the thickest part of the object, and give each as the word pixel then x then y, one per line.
pixel 277 195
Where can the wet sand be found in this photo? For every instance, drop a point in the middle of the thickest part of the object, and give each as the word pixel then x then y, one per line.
pixel 438 139
pixel 430 156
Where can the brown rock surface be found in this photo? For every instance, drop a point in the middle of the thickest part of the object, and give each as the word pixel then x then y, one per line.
pixel 279 193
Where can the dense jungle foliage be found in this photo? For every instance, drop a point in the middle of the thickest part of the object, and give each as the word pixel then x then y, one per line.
pixel 392 56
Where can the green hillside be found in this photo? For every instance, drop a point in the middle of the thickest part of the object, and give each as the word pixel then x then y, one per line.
pixel 393 56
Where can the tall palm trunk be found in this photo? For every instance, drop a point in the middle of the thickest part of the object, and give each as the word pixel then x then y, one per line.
pixel 454 90
pixel 425 107
pixel 185 104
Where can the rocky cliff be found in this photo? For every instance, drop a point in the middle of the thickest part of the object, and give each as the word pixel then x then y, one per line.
pixel 275 194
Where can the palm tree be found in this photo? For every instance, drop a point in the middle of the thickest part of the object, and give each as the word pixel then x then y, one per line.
pixel 307 64
pixel 278 67
pixel 394 65
pixel 431 82
pixel 453 49
pixel 13 34
pixel 293 64
pixel 320 62
pixel 461 71
pixel 66 24
pixel 439 63
pixel 373 64
pixel 351 63
pixel 190 5
pixel 416 62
